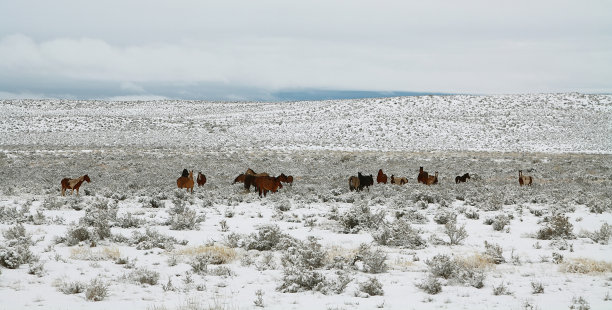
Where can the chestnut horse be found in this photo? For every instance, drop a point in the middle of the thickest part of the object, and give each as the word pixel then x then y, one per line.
pixel 186 182
pixel 381 177
pixel 524 179
pixel 265 184
pixel 354 183
pixel 463 178
pixel 432 179
pixel 399 181
pixel 286 179
pixel 73 184
pixel 423 176
pixel 251 172
pixel 201 179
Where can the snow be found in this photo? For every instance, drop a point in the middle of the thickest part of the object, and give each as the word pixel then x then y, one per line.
pixel 134 151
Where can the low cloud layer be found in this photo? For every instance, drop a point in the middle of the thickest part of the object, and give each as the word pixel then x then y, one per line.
pixel 246 50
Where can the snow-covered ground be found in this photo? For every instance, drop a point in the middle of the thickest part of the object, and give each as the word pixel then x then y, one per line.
pixel 134 151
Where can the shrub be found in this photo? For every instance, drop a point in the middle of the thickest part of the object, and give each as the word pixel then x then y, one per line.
pixel 129 221
pixel 199 264
pixel 10 258
pixel 494 253
pixel 152 239
pixel 585 265
pixel 217 254
pixel 100 216
pixel 456 234
pixel 501 289
pixel 500 221
pixel 269 237
pixel 430 285
pixel 537 288
pixel 399 234
pixel 473 215
pixel 97 290
pixel 307 254
pixel 37 269
pixel 579 304
pixel 373 260
pixel 558 227
pixel 183 218
pixel 442 265
pixel 444 216
pixel 74 287
pixel 360 217
pixel 602 235
pixel 298 279
pixel 145 276
pixel 372 287
pixel 76 234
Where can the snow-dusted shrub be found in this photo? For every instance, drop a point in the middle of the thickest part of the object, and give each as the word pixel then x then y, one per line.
pixel 52 203
pixel 234 240
pixel 472 215
pixel 199 264
pixel 222 271
pixel 97 290
pixel 269 237
pixel 430 285
pixel 537 287
pixel 10 258
pixel 282 205
pixel 37 268
pixel 501 289
pixel 100 216
pixel 456 234
pixel 360 217
pixel 152 239
pixel 307 254
pixel 10 215
pixel 299 279
pixel 494 253
pixel 579 304
pixel 558 227
pixel 129 221
pixel 399 234
pixel 585 265
pixel 155 202
pixel 444 216
pixel 183 218
pixel 442 265
pixel 74 287
pixel 16 250
pixel 144 276
pixel 217 254
pixel 412 216
pixel 602 235
pixel 600 205
pixel 500 221
pixel 74 235
pixel 371 287
pixel 372 260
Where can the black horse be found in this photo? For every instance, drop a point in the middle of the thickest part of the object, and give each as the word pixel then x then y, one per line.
pixel 463 178
pixel 365 180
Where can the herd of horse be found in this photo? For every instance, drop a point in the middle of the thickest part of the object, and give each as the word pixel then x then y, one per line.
pixel 264 183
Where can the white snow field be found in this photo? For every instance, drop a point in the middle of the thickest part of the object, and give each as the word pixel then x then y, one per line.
pixel 132 240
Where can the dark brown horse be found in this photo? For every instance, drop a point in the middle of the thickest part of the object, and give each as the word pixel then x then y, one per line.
pixel 381 177
pixel 240 178
pixel 251 172
pixel 265 184
pixel 524 179
pixel 432 179
pixel 186 182
pixel 286 179
pixel 248 181
pixel 73 184
pixel 463 178
pixel 423 176
pixel 201 179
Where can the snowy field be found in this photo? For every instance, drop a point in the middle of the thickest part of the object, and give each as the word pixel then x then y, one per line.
pixel 131 240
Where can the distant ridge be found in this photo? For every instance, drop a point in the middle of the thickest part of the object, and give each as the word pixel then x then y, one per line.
pixel 319 94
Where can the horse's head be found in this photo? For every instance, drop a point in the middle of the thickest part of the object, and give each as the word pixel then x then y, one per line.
pixel 86 178
pixel 420 169
pixel 250 171
pixel 467 175
pixel 191 174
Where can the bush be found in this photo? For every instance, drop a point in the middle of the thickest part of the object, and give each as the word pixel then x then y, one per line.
pixel 145 276
pixel 360 217
pixel 500 221
pixel 579 304
pixel 37 269
pixel 372 287
pixel 10 258
pixel 298 279
pixel 129 221
pixel 199 264
pixel 501 289
pixel 537 288
pixel 97 290
pixel 269 237
pixel 585 265
pixel 307 254
pixel 494 253
pixel 399 234
pixel 152 239
pixel 76 234
pixel 442 265
pixel 430 285
pixel 444 216
pixel 183 218
pixel 373 260
pixel 558 227
pixel 74 287
pixel 602 235
pixel 100 216
pixel 455 234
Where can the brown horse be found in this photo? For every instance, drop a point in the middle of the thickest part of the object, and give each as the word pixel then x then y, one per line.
pixel 524 179
pixel 201 179
pixel 186 182
pixel 265 184
pixel 398 181
pixel 251 172
pixel 381 177
pixel 73 184
pixel 354 183
pixel 463 178
pixel 423 176
pixel 432 179
pixel 240 178
pixel 286 179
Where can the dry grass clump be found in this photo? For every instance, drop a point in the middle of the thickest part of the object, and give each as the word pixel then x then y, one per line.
pixel 217 254
pixel 585 265
pixel 85 253
pixel 476 261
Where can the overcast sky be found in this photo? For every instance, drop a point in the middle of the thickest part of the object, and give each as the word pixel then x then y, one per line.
pixel 241 50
